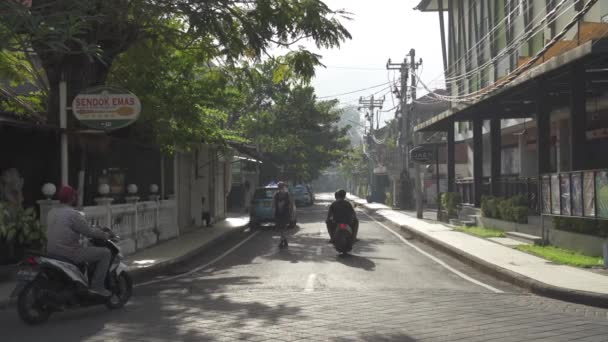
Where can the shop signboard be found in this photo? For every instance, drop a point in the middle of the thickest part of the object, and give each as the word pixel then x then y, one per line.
pixel 422 155
pixel 106 108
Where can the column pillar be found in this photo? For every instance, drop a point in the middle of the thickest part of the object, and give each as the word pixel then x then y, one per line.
pixel 477 161
pixel 543 124
pixel 578 118
pixel 564 149
pixel 496 155
pixel 451 159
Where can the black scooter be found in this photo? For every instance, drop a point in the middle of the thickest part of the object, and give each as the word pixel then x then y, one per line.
pixel 343 237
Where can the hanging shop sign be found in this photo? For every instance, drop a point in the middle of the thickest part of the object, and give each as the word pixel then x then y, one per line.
pixel 106 108
pixel 422 155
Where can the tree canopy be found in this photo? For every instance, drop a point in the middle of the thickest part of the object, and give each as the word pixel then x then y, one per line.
pixel 80 39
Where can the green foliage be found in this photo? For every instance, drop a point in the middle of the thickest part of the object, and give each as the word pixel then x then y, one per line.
pixel 587 226
pixel 512 209
pixel 232 30
pixel 184 101
pixel 23 91
pixel 20 226
pixel 562 256
pixel 450 202
pixel 298 133
pixel 481 232
pixel 389 198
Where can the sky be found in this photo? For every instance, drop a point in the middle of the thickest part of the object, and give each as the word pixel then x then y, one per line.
pixel 381 29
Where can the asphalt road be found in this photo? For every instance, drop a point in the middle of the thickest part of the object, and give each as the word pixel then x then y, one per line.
pixel 391 289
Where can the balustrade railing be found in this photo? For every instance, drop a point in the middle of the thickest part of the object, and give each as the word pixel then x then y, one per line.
pixel 140 224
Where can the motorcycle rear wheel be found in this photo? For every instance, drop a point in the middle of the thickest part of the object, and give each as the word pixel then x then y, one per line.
pixel 122 289
pixel 28 306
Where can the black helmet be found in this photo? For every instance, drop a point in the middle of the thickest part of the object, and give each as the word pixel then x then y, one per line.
pixel 340 194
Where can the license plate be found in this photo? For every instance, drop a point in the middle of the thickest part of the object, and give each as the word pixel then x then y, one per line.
pixel 26 275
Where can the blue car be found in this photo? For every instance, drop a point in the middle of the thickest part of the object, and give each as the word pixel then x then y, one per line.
pixel 261 207
pixel 302 195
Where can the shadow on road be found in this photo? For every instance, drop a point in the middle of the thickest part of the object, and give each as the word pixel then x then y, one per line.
pixel 357 261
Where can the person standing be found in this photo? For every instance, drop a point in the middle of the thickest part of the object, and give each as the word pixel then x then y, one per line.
pixel 281 206
pixel 205 215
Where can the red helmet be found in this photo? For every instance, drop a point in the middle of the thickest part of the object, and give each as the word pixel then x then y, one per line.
pixel 66 194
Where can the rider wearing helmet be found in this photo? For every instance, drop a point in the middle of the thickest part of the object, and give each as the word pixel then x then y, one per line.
pixel 65 225
pixel 341 211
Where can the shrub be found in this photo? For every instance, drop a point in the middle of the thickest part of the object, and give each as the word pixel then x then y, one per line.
pixel 21 227
pixel 587 226
pixel 512 209
pixel 450 202
pixel 520 214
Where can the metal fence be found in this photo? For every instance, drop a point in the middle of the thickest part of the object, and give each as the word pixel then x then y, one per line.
pixel 507 187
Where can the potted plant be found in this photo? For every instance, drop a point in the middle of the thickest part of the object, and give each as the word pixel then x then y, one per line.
pixel 20 229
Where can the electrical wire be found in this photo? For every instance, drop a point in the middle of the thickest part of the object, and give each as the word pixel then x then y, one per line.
pixel 354 91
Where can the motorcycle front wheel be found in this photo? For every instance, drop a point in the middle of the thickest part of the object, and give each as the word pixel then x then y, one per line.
pixel 121 287
pixel 29 305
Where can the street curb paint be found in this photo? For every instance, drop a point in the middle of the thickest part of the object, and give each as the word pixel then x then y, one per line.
pixel 532 285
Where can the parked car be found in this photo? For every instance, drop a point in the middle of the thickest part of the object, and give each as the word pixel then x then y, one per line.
pixel 303 195
pixel 261 207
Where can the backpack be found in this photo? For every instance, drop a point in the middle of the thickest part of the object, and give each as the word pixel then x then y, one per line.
pixel 282 202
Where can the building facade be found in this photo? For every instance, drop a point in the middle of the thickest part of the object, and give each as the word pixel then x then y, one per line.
pixel 527 85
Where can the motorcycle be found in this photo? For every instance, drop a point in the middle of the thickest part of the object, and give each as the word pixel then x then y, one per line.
pixel 343 238
pixel 48 284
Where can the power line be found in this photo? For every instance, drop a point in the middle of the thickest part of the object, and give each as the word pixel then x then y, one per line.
pixel 354 91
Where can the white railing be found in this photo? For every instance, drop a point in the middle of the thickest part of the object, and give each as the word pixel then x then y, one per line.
pixel 139 224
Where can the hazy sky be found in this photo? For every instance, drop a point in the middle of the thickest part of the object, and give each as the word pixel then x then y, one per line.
pixel 381 29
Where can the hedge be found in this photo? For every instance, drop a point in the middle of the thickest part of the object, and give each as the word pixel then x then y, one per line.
pixel 585 226
pixel 514 209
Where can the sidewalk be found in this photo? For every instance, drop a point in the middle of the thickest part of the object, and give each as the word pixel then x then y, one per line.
pixel 538 275
pixel 162 256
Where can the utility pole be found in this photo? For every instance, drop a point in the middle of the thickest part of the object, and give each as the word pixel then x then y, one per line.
pixel 413 67
pixel 402 122
pixel 371 104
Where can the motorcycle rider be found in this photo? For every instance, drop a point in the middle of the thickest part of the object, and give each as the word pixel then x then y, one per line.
pixel 341 211
pixel 65 225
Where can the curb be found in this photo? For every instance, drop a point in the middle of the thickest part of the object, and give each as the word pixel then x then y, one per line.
pixel 532 285
pixel 165 265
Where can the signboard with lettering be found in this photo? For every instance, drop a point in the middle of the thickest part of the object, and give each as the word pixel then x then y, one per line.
pixel 422 155
pixel 106 108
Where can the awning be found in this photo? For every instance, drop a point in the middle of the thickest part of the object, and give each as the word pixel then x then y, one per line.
pixel 431 5
pixel 517 98
pixel 246 152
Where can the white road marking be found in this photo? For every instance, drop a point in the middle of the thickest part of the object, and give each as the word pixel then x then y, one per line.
pixel 200 267
pixel 310 283
pixel 439 261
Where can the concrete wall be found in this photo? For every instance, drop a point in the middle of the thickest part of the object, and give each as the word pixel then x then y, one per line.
pixel 202 173
pixel 586 244
pixel 509 226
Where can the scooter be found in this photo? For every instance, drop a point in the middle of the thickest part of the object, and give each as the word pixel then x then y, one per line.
pixel 48 284
pixel 343 238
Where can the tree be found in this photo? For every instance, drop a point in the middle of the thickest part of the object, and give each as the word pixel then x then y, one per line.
pixel 284 118
pixel 185 99
pixel 351 118
pixel 79 39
